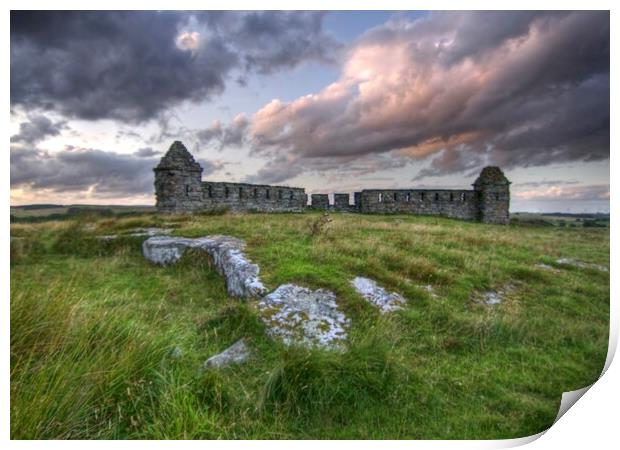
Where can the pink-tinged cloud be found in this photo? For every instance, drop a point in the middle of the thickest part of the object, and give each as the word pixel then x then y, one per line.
pixel 459 89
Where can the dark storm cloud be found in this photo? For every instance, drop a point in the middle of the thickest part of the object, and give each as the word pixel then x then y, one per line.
pixel 37 128
pixel 146 152
pixel 132 66
pixel 461 89
pixel 333 168
pixel 275 172
pixel 271 41
pixel 76 169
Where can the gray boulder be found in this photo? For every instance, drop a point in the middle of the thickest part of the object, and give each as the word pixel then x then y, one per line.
pixel 241 275
pixel 237 353
pixel 298 315
pixel 378 296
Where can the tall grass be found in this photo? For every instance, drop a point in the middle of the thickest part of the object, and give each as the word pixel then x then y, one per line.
pixel 84 375
pixel 105 345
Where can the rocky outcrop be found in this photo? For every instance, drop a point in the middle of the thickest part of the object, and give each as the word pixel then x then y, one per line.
pixel 378 296
pixel 237 353
pixel 150 231
pixel 581 264
pixel 139 232
pixel 241 275
pixel 492 298
pixel 298 315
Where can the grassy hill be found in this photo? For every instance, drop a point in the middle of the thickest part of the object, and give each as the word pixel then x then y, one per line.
pixel 106 345
pixel 42 212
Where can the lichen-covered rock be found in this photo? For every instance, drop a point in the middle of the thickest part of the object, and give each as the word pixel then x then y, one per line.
pixel 581 264
pixel 378 296
pixel 137 232
pixel 496 297
pixel 237 353
pixel 492 298
pixel 241 275
pixel 298 315
pixel 547 267
pixel 150 231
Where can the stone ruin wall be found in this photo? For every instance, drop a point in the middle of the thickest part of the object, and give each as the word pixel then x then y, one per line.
pixel 179 188
pixel 459 204
pixel 252 197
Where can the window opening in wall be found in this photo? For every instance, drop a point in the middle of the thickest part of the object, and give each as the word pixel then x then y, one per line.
pixel 408 196
pixel 267 194
pixel 210 191
pixel 187 190
pixel 380 197
pixel 436 196
pixel 422 195
pixel 451 196
pixel 240 192
pixel 255 192
pixel 291 196
pixel 463 196
pixel 226 192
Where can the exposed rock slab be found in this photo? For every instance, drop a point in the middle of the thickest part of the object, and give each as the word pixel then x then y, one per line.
pixel 237 353
pixel 378 296
pixel 136 232
pixel 492 298
pixel 241 275
pixel 547 267
pixel 298 315
pixel 581 264
pixel 150 231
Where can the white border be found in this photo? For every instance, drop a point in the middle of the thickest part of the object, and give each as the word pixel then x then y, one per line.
pixel 590 422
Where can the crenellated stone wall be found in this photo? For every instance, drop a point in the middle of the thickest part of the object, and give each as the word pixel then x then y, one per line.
pixel 319 201
pixel 460 204
pixel 252 197
pixel 179 188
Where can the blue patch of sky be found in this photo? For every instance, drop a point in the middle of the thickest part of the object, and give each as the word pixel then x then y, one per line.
pixel 348 25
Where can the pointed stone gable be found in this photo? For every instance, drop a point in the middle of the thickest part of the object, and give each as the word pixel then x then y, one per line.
pixel 178 158
pixel 491 175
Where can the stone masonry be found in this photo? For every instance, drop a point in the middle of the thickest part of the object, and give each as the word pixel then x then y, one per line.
pixel 179 188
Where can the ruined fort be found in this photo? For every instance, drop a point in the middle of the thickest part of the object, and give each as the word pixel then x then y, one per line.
pixel 179 188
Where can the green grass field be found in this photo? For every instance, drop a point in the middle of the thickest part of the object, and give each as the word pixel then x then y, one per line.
pixel 106 345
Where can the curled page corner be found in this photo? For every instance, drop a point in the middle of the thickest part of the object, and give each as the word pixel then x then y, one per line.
pixel 569 399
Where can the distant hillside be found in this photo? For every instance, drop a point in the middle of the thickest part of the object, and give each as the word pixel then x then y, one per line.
pixel 37 206
pixel 596 220
pixel 43 212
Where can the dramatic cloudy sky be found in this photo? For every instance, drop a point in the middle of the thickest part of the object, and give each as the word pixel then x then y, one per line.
pixel 333 102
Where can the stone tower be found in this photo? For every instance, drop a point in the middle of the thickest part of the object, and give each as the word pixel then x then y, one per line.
pixel 493 194
pixel 178 181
